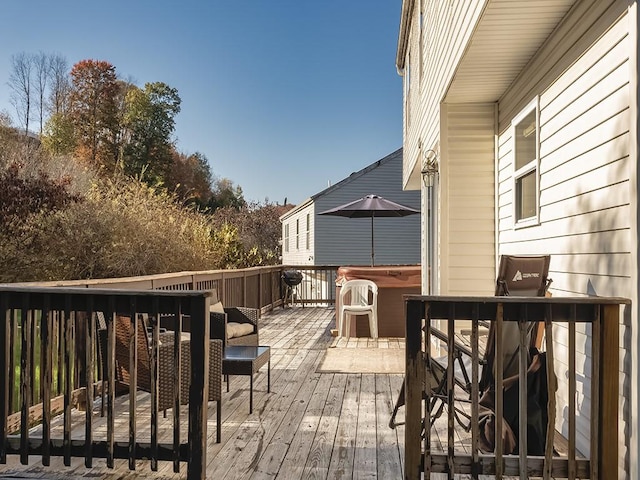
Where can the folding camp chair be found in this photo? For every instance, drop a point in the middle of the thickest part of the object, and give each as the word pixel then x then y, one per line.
pixel 517 276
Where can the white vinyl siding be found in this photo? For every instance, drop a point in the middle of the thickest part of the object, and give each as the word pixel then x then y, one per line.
pixel 301 250
pixel 448 26
pixel 467 196
pixel 585 216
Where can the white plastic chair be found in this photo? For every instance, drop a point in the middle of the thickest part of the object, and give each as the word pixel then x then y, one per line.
pixel 358 293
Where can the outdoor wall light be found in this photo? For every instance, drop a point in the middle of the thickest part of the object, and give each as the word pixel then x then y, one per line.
pixel 429 168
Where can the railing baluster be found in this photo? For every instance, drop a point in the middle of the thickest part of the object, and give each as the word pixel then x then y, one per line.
pixel 523 354
pixel 60 353
pixel 31 318
pixel 177 364
pixel 13 341
pixel 475 393
pixel 90 341
pixel 68 319
pixel 571 473
pixel 45 380
pixel 6 365
pixel 451 333
pixel 551 380
pixel 25 379
pixel 133 381
pixel 428 375
pixel 111 376
pixel 498 369
pixel 155 314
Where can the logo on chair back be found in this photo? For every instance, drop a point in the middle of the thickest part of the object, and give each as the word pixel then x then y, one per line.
pixel 522 276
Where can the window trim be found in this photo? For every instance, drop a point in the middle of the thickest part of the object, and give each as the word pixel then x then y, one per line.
pixel 532 166
pixel 286 237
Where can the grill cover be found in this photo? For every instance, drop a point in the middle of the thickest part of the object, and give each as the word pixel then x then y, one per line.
pixel 292 277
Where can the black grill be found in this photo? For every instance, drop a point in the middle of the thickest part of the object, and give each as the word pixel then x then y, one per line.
pixel 292 277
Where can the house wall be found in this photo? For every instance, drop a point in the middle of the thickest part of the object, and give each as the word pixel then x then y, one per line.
pixel 347 241
pixel 301 253
pixel 430 63
pixel 581 77
pixel 467 189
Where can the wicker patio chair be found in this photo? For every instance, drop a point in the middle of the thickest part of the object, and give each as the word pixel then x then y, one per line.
pixel 234 325
pixel 123 334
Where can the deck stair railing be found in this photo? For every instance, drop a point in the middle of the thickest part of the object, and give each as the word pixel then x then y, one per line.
pixel 35 310
pixel 602 317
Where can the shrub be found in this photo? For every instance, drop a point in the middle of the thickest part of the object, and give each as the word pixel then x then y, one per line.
pixel 122 228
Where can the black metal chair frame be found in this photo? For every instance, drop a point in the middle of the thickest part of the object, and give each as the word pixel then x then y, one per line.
pixel 518 275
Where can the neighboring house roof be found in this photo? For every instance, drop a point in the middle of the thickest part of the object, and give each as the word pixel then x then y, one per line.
pixel 342 183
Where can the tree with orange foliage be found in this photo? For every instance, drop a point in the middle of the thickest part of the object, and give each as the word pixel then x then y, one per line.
pixel 94 112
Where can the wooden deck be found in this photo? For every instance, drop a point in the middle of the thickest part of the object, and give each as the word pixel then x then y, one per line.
pixel 312 425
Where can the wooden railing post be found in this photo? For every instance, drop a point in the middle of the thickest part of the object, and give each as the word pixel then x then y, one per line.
pixel 413 389
pixel 609 354
pixel 199 388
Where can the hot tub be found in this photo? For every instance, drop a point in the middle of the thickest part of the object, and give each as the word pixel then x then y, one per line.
pixel 393 282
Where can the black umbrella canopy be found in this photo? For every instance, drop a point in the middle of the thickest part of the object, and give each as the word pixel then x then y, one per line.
pixel 371 206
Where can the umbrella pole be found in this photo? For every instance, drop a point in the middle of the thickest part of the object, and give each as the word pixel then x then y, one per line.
pixel 372 252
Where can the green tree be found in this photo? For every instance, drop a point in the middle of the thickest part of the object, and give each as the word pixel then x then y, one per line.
pixel 225 194
pixel 249 234
pixel 149 123
pixel 58 137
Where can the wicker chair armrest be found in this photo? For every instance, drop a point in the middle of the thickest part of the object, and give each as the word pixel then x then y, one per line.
pixel 166 372
pixel 215 370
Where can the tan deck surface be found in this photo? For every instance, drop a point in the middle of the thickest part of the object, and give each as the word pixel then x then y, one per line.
pixel 312 425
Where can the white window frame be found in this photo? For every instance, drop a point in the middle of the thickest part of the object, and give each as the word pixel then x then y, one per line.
pixel 297 234
pixel 286 237
pixel 308 231
pixel 531 166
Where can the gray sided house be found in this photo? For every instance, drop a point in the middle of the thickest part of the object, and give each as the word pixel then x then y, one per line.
pixel 312 239
pixel 531 111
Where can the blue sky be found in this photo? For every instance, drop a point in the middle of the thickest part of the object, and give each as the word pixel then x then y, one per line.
pixel 281 96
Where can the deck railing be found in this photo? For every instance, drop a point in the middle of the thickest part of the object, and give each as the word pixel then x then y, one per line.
pixel 256 287
pixel 603 315
pixel 74 309
pixel 49 347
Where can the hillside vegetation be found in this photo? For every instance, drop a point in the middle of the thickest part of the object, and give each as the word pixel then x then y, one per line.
pixel 74 205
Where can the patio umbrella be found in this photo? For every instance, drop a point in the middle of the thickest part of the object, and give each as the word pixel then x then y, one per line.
pixel 371 206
